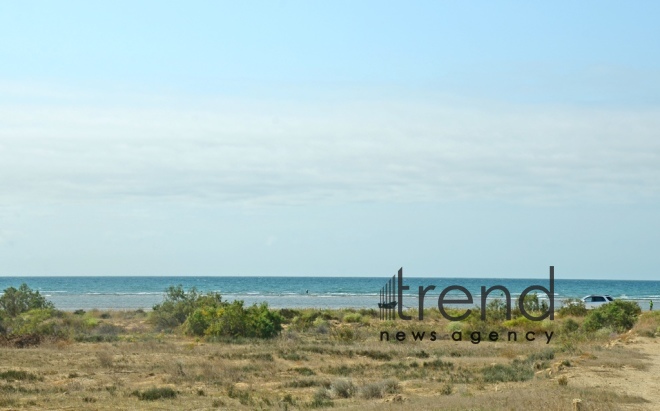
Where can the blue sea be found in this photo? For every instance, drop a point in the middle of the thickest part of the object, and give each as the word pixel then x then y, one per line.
pixel 124 293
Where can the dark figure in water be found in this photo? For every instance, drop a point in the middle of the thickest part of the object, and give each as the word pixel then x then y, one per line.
pixel 650 305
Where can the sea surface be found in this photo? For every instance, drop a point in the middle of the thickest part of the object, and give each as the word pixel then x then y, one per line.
pixel 125 293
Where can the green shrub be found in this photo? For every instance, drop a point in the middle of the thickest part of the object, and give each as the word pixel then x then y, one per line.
pixel 179 304
pixel 39 321
pixel 263 323
pixel 496 310
pixel 532 304
pixel 619 315
pixel 16 301
pixel 234 320
pixel 288 314
pixel 573 307
pixel 569 326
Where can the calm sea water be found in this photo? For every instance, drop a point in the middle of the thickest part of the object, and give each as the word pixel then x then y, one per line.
pixel 70 293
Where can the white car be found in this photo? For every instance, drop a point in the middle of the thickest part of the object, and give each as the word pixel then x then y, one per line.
pixel 594 301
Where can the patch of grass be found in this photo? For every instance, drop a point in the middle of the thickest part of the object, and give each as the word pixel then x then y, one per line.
pixel 243 396
pixel 321 399
pixel 288 399
pixel 375 355
pixel 156 393
pixel 14 375
pixel 105 359
pixel 544 355
pixel 421 354
pixel 516 371
pixel 352 318
pixel 304 371
pixel 292 356
pixel 305 383
pixel 262 357
pixel 438 365
pixel 345 370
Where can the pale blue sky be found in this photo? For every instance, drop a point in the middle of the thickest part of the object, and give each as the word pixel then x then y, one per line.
pixel 330 138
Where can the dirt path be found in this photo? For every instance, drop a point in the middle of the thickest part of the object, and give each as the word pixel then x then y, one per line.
pixel 637 375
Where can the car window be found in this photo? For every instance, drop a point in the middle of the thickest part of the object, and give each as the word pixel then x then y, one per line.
pixel 599 299
pixel 588 299
pixel 609 298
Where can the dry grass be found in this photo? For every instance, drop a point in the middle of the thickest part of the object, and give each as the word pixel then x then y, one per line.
pixel 345 367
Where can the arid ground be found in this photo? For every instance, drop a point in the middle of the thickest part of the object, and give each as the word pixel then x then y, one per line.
pixel 331 363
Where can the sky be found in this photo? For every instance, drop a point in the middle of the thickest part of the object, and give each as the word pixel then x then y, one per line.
pixel 343 138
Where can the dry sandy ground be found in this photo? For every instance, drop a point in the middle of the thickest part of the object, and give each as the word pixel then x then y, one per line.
pixel 641 380
pixel 102 376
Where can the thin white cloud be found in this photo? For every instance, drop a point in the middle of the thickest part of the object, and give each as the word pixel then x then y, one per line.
pixel 317 152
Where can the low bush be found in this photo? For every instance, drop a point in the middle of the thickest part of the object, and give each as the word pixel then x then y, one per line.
pixel 207 315
pixel 619 315
pixel 343 388
pixel 569 326
pixel 573 308
pixel 179 304
pixel 446 389
pixel 234 320
pixel 378 389
pixel 16 301
pixel 370 391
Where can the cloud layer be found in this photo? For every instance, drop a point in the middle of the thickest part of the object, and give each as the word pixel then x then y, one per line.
pixel 327 151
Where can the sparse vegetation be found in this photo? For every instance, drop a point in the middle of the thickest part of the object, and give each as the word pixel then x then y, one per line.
pixel 320 359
